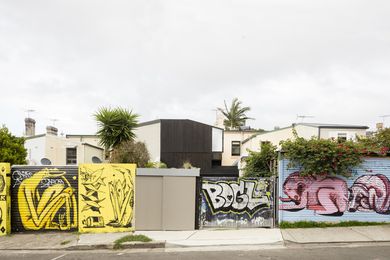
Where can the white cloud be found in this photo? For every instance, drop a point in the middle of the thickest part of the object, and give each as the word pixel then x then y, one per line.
pixel 181 59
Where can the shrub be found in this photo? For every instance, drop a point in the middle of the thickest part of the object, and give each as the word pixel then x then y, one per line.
pixel 187 165
pixel 159 165
pixel 131 152
pixel 261 164
pixel 323 156
pixel 378 143
pixel 11 148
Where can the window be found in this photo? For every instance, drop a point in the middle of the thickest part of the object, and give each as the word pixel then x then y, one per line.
pixel 342 137
pixel 71 155
pixel 236 148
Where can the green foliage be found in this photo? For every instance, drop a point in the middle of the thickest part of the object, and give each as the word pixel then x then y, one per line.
pixel 187 165
pixel 131 152
pixel 260 164
pixel 235 115
pixel 115 126
pixel 322 156
pixel 159 165
pixel 379 143
pixel 312 224
pixel 11 148
pixel 130 238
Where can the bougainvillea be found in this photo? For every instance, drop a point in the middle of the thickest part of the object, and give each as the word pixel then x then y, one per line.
pixel 327 156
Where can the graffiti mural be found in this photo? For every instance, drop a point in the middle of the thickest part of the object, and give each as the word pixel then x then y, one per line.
pixel 4 199
pixel 331 196
pixel 106 197
pixel 325 195
pixel 370 193
pixel 44 198
pixel 364 197
pixel 232 202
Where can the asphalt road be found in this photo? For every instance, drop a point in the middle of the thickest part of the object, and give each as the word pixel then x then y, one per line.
pixel 354 252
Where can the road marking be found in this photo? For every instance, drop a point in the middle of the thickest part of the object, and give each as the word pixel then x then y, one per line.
pixel 58 257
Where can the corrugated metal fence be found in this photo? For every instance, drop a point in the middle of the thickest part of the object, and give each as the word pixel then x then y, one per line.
pixel 44 198
pixel 363 197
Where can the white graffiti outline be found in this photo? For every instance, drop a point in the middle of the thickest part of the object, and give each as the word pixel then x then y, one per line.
pixel 226 207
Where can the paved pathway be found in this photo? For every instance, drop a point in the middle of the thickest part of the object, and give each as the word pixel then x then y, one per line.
pixel 201 238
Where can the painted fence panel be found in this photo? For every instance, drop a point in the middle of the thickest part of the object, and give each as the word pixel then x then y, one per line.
pixel 363 197
pixel 233 202
pixel 5 227
pixel 106 197
pixel 43 198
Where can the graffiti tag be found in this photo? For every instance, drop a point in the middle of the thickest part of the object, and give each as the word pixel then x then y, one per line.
pixel 19 176
pixel 238 197
pixel 45 183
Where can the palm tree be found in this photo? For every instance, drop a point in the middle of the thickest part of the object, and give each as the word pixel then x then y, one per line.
pixel 235 115
pixel 115 126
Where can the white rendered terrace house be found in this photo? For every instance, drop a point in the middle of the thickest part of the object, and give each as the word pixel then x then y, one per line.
pixel 60 150
pixel 305 130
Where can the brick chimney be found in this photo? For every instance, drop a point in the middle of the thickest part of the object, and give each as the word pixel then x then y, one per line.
pixel 29 126
pixel 51 130
pixel 379 126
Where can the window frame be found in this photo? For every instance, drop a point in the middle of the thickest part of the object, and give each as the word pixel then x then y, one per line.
pixel 73 159
pixel 234 146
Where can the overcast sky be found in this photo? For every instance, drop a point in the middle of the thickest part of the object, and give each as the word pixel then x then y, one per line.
pixel 182 59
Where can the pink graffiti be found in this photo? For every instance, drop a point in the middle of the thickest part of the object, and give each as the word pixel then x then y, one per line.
pixel 370 193
pixel 323 194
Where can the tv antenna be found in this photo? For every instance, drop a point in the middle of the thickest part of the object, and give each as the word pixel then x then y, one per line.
pixel 53 121
pixel 384 117
pixel 29 111
pixel 302 117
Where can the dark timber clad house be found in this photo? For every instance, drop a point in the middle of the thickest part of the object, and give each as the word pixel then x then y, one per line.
pixel 176 141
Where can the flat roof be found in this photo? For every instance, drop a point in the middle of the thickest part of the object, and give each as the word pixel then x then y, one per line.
pixel 317 125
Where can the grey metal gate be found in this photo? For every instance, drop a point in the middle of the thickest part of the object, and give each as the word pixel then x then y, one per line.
pixel 230 202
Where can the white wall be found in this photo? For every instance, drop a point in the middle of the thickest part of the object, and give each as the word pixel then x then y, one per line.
pixel 35 150
pixel 228 137
pixel 333 133
pixel 151 136
pixel 217 140
pixel 54 148
pixel 87 152
pixel 276 136
pixel 91 139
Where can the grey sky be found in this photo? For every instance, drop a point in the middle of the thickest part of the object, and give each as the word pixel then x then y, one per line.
pixel 181 59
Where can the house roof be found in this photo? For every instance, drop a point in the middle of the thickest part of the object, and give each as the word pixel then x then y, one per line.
pixel 34 136
pixel 80 135
pixel 334 126
pixel 316 125
pixel 93 146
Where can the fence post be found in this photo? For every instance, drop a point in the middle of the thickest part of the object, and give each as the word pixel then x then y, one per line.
pixel 198 201
pixel 5 203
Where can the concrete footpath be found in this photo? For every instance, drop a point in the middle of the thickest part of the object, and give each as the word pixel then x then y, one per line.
pixel 198 238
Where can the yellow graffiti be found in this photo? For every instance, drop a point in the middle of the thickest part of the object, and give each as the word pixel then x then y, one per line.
pixel 121 195
pixel 4 199
pixel 106 193
pixel 54 208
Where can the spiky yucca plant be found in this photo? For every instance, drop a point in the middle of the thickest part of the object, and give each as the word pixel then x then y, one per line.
pixel 116 125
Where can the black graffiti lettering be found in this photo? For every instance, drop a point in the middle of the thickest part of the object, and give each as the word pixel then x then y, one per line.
pixel 239 197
